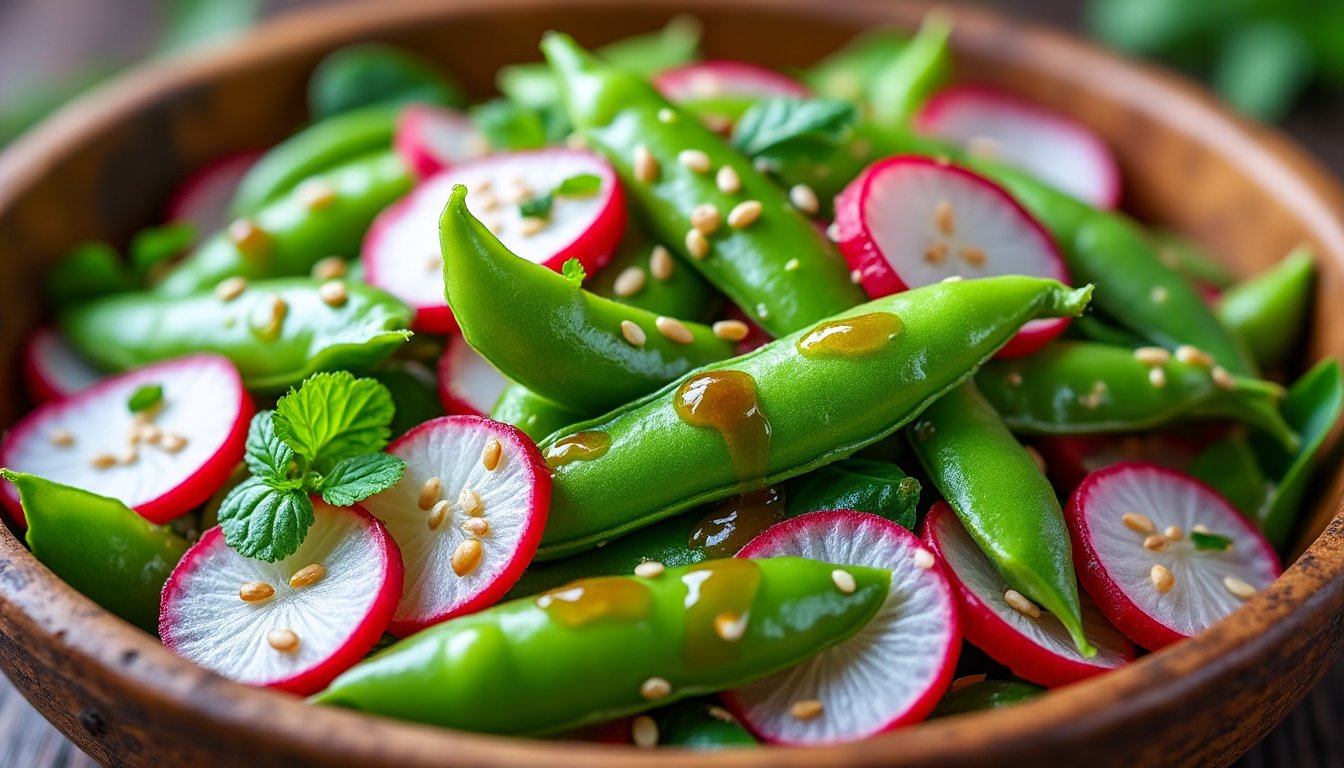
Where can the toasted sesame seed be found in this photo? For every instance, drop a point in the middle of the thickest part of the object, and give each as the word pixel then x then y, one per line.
pixel 333 293
pixel 491 454
pixel 744 214
pixel 62 438
pixel 1156 543
pixel 250 240
pixel 255 592
pixel 438 514
pixel 466 557
pixel 470 502
pixel 1163 579
pixel 275 309
pixel 330 268
pixel 660 263
pixel 1193 356
pixel 492 223
pixel 173 442
pixel 430 492
pixel 1157 377
pixel 516 192
pixel 966 681
pixel 807 709
pixel 666 115
pixel 645 166
pixel 983 146
pixel 317 194
pixel 1014 378
pixel 1200 528
pixel 477 145
pixel 476 526
pixel 727 180
pixel 1036 457
pixel 762 165
pixel 730 627
pixel 629 282
pixel 649 569
pixel 953 279
pixel 973 256
pixel 804 199
pixel 1019 602
pixel 633 333
pixel 792 265
pixel 935 253
pixel 1174 532
pixel 674 330
pixel 731 330
pixel 844 581
pixel 1138 522
pixel 696 244
pixel 1222 379
pixel 694 159
pixel 923 559
pixel 855 276
pixel 230 288
pixel 484 201
pixel 1158 294
pixel 720 714
pixel 1239 589
pixel 283 640
pixel 102 460
pixel 944 218
pixel 531 226
pixel 644 732
pixel 655 688
pixel 1152 355
pixel 308 575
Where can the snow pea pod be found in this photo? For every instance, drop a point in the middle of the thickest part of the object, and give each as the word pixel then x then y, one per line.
pixel 414 390
pixel 848 74
pixel 276 331
pixel 863 485
pixel 987 694
pixel 570 346
pixel 772 261
pixel 99 546
pixel 667 285
pixel 700 725
pixel 1269 310
pixel 922 67
pixel 536 416
pixel 1083 387
pixel 601 648
pixel 793 405
pixel 326 216
pixel 1003 499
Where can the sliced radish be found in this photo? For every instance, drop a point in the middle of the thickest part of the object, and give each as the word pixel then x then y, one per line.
pixel 468 384
pixel 1036 649
pixel 161 463
pixel 723 81
pixel 286 625
pixel 1133 527
pixel 1051 147
pixel 1070 458
pixel 467 514
pixel 204 199
pixel 52 369
pixel 893 671
pixel 431 138
pixel 401 251
pixel 907 222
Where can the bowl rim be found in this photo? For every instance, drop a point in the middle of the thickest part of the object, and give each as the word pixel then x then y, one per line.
pixel 92 639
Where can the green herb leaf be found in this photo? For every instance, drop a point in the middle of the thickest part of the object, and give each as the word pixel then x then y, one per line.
pixel 334 416
pixel 580 185
pixel 573 269
pixel 145 397
pixel 156 245
pixel 89 271
pixel 1210 541
pixel 354 479
pixel 263 522
pixel 783 124
pixel 266 455
pixel 537 207
pixel 508 126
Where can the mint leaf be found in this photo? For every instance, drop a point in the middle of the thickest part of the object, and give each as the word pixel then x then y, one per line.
pixel 354 479
pixel 784 124
pixel 537 207
pixel 573 271
pixel 266 455
pixel 334 416
pixel 265 523
pixel 89 271
pixel 145 397
pixel 580 185
pixel 1210 541
pixel 156 245
pixel 509 126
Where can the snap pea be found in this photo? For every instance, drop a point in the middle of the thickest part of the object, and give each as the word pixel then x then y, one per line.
pixel 570 346
pixel 290 235
pixel 99 546
pixel 1082 387
pixel 276 331
pixel 415 393
pixel 791 406
pixel 848 74
pixel 598 649
pixel 536 416
pixel 922 67
pixel 1003 499
pixel 777 266
pixel 358 76
pixel 987 694
pixel 863 485
pixel 1092 327
pixel 669 286
pixel 700 725
pixel 1269 310
pixel 1190 260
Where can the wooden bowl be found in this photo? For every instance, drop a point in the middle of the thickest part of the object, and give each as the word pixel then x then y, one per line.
pixel 104 166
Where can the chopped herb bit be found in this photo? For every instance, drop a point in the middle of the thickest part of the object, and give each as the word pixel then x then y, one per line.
pixel 581 185
pixel 1210 541
pixel 145 397
pixel 573 269
pixel 537 207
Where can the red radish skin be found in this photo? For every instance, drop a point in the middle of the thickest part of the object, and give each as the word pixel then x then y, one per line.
pixel 468 384
pixel 401 250
pixel 1115 568
pixel 204 402
pixel 516 496
pixel 1038 650
pixel 338 619
pixel 1070 458
pixel 431 139
pixel 893 672
pixel 205 197
pixel 725 78
pixel 52 369
pixel 1059 151
pixel 903 224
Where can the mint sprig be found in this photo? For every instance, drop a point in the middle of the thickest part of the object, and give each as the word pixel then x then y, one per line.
pixel 778 127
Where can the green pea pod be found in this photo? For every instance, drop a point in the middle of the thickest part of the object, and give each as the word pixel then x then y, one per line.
pixel 922 67
pixel 277 332
pixel 700 725
pixel 1268 311
pixel 415 393
pixel 603 648
pixel 99 546
pixel 679 292
pixel 988 694
pixel 863 485
pixel 1190 260
pixel 562 342
pixel 291 234
pixel 359 76
pixel 1003 499
pixel 1230 467
pixel 1073 388
pixel 618 113
pixel 849 73
pixel 1095 328
pixel 536 416
pixel 791 406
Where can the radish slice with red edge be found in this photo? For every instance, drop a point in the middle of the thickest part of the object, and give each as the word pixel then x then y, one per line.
pixel 401 251
pixel 907 222
pixel 431 138
pixel 295 624
pixel 1070 458
pixel 892 672
pixel 468 384
pixel 204 198
pixel 1051 147
pixel 52 369
pixel 725 80
pixel 161 463
pixel 468 516
pixel 1038 649
pixel 1144 538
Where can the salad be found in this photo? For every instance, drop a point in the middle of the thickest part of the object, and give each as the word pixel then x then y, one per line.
pixel 666 401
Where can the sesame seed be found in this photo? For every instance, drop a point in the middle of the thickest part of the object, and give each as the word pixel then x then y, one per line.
pixel 1036 457
pixel 744 214
pixel 649 569
pixel 1157 377
pixel 492 223
pixel 230 288
pixel 283 640
pixel 792 265
pixel 923 559
pixel 804 199
pixel 330 268
pixel 1200 528
pixel 62 438
pixel 705 217
pixel 438 513
pixel 833 232
pixel 1222 379
pixel 762 165
pixel 730 627
pixel 844 581
pixel 696 244
pixel 1193 356
pixel 466 557
pixel 807 709
pixel 644 732
pixel 1163 579
pixel 1238 588
pixel 276 309
pixel 255 592
pixel 516 192
pixel 629 282
pixel 674 330
pixel 727 180
pixel 1152 355
pixel 660 263
pixel 944 218
pixel 645 166
pixel 966 681
pixel 633 333
pixel 1019 602
pixel 935 253
pixel 173 442
pixel 855 276
pixel 953 279
pixel 731 330
pixel 666 115
pixel 250 240
pixel 694 159
pixel 983 146
pixel 1174 533
pixel 720 714
pixel 430 492
pixel 973 256
pixel 491 454
pixel 655 688
pixel 476 526
pixel 762 311
pixel 1159 294
pixel 333 293
pixel 1138 522
pixel 316 194
pixel 102 460
pixel 1014 378
pixel 531 226
pixel 476 145
pixel 1156 543
pixel 308 575
pixel 485 201
pixel 470 502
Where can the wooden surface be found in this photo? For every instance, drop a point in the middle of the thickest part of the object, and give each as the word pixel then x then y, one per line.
pixel 1188 166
